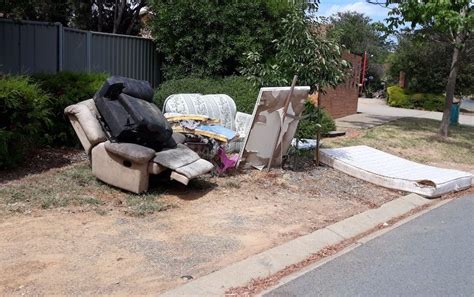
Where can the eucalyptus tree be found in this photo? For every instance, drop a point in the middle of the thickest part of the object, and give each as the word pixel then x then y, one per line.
pixel 443 21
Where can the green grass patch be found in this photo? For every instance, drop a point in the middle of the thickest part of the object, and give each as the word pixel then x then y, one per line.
pixel 141 205
pixel 147 203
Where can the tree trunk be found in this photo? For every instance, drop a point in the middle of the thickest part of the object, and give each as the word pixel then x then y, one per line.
pixel 450 88
pixel 100 15
pixel 119 8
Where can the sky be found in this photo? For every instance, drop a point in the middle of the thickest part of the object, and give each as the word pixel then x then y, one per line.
pixel 375 12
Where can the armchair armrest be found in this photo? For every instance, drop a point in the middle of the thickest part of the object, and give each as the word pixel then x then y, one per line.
pixel 130 151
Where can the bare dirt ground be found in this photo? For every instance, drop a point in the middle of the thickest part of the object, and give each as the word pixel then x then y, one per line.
pixel 75 249
pixel 63 232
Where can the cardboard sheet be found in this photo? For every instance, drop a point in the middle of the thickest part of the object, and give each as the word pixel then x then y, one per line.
pixel 266 120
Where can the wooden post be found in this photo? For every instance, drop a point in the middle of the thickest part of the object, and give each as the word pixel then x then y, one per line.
pixel 364 69
pixel 402 80
pixel 316 152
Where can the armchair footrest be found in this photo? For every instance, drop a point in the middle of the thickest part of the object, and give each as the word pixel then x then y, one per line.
pixel 195 169
pixel 176 158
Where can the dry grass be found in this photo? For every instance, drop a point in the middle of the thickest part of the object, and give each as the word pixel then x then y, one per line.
pixel 74 186
pixel 417 140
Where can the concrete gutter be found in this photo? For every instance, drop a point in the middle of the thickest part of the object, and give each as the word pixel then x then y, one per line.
pixel 275 259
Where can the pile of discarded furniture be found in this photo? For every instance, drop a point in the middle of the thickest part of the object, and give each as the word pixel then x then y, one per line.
pixel 128 138
pixel 208 121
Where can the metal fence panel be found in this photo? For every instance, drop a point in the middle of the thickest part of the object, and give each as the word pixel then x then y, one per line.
pixel 124 55
pixel 43 51
pixel 75 51
pixel 9 48
pixel 28 47
pixel 31 47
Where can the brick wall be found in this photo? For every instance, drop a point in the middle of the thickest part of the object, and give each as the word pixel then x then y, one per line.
pixel 342 100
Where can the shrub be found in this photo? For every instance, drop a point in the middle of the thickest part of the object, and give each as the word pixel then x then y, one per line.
pixel 23 116
pixel 207 38
pixel 398 97
pixel 66 88
pixel 300 50
pixel 433 102
pixel 427 63
pixel 312 116
pixel 242 91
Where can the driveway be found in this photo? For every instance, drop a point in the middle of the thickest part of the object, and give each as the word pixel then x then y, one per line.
pixel 374 112
pixel 429 256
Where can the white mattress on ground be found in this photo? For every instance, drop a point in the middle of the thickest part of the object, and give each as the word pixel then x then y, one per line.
pixel 393 172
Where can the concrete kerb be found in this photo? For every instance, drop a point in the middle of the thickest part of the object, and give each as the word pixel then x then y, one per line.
pixel 297 250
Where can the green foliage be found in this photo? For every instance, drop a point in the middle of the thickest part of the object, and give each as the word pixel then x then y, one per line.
pixel 242 91
pixel 398 97
pixel 465 79
pixel 299 51
pixel 207 38
pixel 311 118
pixel 112 16
pixel 66 88
pixel 450 17
pixel 31 110
pixel 451 22
pixel 278 7
pixel 23 116
pixel 357 33
pixel 45 10
pixel 427 101
pixel 426 64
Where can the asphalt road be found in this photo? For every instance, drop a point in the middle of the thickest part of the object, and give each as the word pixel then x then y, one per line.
pixel 432 255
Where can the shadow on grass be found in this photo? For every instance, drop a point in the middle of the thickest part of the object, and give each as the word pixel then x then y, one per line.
pixel 374 121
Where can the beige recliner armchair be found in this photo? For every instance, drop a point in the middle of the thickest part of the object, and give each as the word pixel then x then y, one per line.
pixel 126 165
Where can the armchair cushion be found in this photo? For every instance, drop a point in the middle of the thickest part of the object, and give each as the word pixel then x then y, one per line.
pixel 130 151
